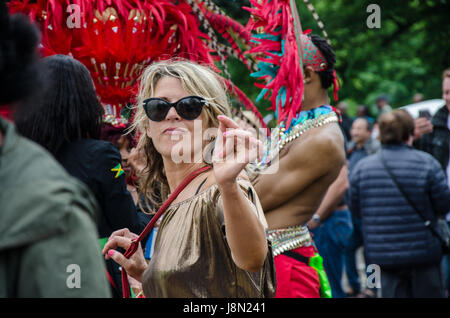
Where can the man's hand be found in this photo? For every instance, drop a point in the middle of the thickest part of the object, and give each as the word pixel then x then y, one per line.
pixel 422 126
pixel 314 222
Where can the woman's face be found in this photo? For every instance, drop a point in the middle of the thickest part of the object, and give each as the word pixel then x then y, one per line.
pixel 174 136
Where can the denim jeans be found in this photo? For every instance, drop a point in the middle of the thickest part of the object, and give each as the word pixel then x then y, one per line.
pixel 446 270
pixel 419 282
pixel 355 242
pixel 331 239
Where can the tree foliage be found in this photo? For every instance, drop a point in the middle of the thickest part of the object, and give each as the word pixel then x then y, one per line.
pixel 406 55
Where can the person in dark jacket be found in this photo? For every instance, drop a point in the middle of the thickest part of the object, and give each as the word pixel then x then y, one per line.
pixel 437 143
pixel 48 239
pixel 395 236
pixel 361 146
pixel 66 119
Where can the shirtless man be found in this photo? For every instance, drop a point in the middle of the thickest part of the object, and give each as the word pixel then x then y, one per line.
pixel 307 166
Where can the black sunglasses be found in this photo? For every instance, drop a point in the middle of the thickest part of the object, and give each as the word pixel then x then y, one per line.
pixel 189 107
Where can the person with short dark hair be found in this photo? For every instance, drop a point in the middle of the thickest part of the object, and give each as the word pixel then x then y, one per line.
pixel 48 240
pixel 66 119
pixel 395 236
pixel 362 144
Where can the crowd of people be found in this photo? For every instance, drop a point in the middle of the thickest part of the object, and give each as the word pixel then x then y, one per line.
pixel 391 203
pixel 120 206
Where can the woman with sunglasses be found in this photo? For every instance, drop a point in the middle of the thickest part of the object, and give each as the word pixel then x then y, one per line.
pixel 211 240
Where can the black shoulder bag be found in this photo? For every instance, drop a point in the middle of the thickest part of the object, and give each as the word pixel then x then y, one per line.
pixel 444 235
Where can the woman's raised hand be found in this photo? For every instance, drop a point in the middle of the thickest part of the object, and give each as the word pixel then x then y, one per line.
pixel 234 149
pixel 136 264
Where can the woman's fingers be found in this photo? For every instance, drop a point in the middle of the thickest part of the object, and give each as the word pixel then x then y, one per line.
pixel 118 258
pixel 227 122
pixel 242 144
pixel 125 233
pixel 115 242
pixel 121 232
pixel 238 132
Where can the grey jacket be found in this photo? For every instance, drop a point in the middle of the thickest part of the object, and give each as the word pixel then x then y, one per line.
pixel 48 238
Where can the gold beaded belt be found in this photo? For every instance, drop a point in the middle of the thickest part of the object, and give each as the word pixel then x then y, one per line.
pixel 289 238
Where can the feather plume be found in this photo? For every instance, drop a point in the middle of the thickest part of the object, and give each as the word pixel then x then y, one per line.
pixel 277 50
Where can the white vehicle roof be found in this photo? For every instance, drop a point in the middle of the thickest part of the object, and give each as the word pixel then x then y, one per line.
pixel 432 105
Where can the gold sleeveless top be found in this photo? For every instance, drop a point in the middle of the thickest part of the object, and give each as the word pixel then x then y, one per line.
pixel 192 258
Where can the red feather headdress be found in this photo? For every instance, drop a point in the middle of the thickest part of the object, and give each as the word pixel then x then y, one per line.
pixel 115 40
pixel 282 49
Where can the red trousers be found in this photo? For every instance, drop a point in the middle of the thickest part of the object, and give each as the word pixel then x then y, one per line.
pixel 295 279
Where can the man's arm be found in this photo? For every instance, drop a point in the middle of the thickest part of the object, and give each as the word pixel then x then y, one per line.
pixel 333 197
pixel 353 202
pixel 304 164
pixel 439 190
pixel 244 231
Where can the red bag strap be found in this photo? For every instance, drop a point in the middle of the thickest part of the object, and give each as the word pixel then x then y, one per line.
pixel 135 243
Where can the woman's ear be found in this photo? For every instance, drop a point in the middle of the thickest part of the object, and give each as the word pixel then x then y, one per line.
pixel 307 74
pixel 149 135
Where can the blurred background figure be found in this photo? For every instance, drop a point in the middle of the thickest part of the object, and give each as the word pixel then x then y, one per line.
pixel 395 236
pixel 383 106
pixel 418 97
pixel 436 141
pixel 363 111
pixel 47 230
pixel 347 121
pixel 117 135
pixel 66 118
pixel 361 145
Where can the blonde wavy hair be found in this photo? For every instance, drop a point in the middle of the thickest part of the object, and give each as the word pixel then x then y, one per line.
pixel 196 80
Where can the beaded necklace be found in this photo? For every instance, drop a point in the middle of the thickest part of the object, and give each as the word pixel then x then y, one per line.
pixel 280 136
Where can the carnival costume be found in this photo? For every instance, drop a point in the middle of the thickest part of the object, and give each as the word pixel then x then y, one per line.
pixel 283 52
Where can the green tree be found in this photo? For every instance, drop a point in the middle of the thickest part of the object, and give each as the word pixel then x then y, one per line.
pixel 406 55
